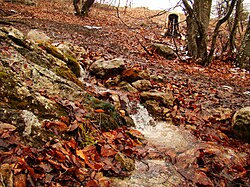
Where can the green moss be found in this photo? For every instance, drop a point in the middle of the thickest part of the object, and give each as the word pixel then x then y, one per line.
pixel 9 98
pixel 3 74
pixel 110 119
pixel 74 65
pixel 53 51
pixel 69 75
pixel 87 136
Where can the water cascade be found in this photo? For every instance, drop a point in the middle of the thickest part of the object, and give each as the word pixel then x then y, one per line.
pixel 161 135
pixel 157 172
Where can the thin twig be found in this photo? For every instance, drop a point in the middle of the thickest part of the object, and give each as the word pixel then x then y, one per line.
pixel 176 49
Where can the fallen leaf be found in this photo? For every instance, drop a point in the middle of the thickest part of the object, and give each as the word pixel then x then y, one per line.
pixel 20 180
pixel 99 111
pixel 107 151
pixel 61 126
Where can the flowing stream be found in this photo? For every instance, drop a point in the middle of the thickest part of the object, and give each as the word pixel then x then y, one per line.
pixel 159 172
pixel 154 172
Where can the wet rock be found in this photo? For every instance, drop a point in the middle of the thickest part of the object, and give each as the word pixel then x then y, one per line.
pixel 66 49
pixel 55 61
pixel 71 50
pixel 127 163
pixel 164 98
pixel 164 50
pixel 15 35
pixel 241 124
pixel 105 69
pixel 127 87
pixel 154 108
pixel 71 62
pixel 129 121
pixel 113 81
pixel 132 75
pixel 38 36
pixel 142 85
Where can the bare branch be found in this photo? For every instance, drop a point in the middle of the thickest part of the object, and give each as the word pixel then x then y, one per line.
pixel 216 32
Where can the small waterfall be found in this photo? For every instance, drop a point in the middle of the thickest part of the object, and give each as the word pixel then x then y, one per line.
pixel 156 172
pixel 161 133
pixel 141 118
pixel 84 74
pixel 164 136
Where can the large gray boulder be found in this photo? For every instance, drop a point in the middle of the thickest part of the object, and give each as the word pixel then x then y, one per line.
pixel 107 68
pixel 164 50
pixel 241 124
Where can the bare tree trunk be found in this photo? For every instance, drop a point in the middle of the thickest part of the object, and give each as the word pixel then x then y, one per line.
pixel 77 10
pixel 86 6
pixel 243 58
pixel 197 24
pixel 235 25
pixel 208 59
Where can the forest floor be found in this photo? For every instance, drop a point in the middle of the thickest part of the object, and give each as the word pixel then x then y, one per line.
pixel 206 97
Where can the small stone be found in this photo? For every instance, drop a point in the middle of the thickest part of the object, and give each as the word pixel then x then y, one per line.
pixel 164 50
pixel 165 98
pixel 142 85
pixel 241 124
pixel 132 75
pixel 127 163
pixel 122 112
pixel 127 87
pixel 38 36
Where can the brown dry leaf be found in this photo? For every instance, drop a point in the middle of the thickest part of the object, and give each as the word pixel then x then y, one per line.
pixel 83 156
pixel 60 156
pixel 99 111
pixel 92 183
pixel 20 180
pixel 65 119
pixel 135 133
pixel 201 179
pixel 107 151
pixel 61 126
pixel 71 143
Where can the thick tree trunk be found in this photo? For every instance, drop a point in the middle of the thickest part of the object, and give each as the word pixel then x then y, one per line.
pixel 77 10
pixel 197 24
pixel 86 6
pixel 243 58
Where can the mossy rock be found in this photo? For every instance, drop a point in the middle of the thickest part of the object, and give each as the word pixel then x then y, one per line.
pixel 241 124
pixel 71 62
